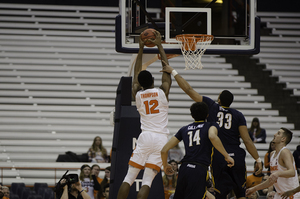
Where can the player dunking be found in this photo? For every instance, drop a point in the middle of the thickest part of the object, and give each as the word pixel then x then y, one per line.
pixel 232 126
pixel 199 138
pixel 283 169
pixel 152 104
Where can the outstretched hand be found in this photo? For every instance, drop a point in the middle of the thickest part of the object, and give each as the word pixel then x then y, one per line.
pixel 169 170
pixel 166 68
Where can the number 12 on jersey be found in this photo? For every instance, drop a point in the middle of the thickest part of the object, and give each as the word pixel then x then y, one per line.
pixel 151 106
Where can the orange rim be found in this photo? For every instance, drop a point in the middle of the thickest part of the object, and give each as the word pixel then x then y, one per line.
pixel 189 41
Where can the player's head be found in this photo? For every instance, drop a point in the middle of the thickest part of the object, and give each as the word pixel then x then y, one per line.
pixel 225 98
pixel 287 134
pixel 145 79
pixel 199 111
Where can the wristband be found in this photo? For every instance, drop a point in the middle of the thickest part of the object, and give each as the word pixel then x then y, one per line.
pixel 81 191
pixel 174 72
pixel 258 160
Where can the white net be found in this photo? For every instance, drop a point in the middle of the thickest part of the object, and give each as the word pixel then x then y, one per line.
pixel 193 47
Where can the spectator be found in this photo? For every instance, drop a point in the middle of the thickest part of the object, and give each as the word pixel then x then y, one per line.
pixel 74 192
pixel 1 192
pixel 97 153
pixel 296 155
pixel 267 156
pixel 174 165
pixel 257 134
pixel 106 191
pixel 254 195
pixel 175 154
pixel 95 171
pixel 170 182
pixel 271 195
pixel 88 181
pixel 5 191
pixel 254 179
pixel 106 179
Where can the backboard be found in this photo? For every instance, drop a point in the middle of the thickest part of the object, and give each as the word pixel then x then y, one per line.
pixel 233 23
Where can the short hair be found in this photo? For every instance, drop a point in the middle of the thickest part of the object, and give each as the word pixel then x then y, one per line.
pixel 226 98
pixel 145 79
pixel 199 111
pixel 288 134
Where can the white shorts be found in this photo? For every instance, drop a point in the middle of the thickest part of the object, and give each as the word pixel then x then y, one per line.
pixel 148 150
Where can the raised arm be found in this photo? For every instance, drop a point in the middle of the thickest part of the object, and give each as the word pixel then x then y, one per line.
pixel 137 69
pixel 65 193
pixel 250 147
pixel 215 140
pixel 183 84
pixel 166 80
pixel 83 193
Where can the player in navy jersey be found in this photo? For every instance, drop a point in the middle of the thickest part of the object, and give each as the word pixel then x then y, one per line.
pixel 232 127
pixel 199 138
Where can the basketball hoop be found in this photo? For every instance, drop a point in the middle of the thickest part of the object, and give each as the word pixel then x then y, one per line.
pixel 193 47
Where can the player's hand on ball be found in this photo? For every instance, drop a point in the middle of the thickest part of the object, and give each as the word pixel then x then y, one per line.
pixel 157 40
pixel 169 170
pixel 141 42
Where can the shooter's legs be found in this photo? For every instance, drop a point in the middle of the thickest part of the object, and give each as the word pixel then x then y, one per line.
pixel 123 191
pixel 144 192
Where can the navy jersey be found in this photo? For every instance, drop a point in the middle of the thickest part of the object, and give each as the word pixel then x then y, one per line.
pixel 198 147
pixel 228 119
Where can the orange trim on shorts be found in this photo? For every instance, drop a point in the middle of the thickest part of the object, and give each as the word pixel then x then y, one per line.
pixel 136 165
pixel 153 166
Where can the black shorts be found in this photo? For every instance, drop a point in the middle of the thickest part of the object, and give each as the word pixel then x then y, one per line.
pixel 191 182
pixel 225 178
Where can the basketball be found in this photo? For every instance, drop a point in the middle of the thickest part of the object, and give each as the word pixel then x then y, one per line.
pixel 148 34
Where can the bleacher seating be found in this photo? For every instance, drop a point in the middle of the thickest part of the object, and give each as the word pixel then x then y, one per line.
pixel 280 51
pixel 59 75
